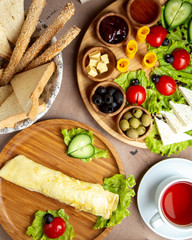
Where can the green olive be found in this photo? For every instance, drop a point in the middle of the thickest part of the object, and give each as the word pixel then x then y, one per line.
pixel 137 112
pixel 132 133
pixel 124 124
pixel 127 115
pixel 134 122
pixel 145 120
pixel 141 130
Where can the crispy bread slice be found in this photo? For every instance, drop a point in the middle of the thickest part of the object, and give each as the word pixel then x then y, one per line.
pixel 5 49
pixel 29 85
pixel 5 92
pixel 12 18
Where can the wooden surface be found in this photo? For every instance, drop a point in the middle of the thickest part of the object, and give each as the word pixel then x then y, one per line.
pixel 69 105
pixel 43 143
pixel 85 84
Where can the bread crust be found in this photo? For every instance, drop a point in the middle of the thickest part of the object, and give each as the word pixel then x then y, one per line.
pixel 55 48
pixel 66 13
pixel 23 39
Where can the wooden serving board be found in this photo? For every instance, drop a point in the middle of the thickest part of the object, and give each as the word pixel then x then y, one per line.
pixel 85 84
pixel 43 143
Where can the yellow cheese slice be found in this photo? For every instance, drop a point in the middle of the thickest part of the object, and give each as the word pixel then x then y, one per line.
pixel 84 196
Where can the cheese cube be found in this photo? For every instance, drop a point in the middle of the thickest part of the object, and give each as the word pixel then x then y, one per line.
pixel 104 58
pixel 95 55
pixel 91 71
pixel 168 136
pixel 93 62
pixel 102 67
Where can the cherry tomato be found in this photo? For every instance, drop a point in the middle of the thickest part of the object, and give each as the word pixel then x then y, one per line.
pixel 136 94
pixel 181 59
pixel 166 85
pixel 55 229
pixel 156 36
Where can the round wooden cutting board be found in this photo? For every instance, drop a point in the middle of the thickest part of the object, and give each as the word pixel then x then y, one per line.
pixel 43 143
pixel 85 84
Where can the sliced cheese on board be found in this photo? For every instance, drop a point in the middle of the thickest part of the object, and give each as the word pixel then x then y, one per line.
pixel 84 196
pixel 175 124
pixel 187 94
pixel 183 112
pixel 168 136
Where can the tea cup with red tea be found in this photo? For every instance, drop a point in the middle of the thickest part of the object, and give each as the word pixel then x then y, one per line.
pixel 174 204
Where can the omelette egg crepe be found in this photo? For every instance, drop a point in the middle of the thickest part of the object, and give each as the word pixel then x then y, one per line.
pixel 84 196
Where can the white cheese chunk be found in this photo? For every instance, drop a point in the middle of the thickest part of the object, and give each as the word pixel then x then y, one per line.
pixel 187 94
pixel 168 136
pixel 93 62
pixel 95 55
pixel 102 67
pixel 175 124
pixel 91 71
pixel 105 58
pixel 183 112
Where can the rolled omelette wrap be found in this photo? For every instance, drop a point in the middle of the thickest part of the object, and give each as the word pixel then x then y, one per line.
pixel 84 196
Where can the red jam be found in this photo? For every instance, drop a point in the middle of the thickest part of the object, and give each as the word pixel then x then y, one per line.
pixel 113 29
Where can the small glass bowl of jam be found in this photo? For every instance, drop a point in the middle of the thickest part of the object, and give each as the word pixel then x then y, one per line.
pixel 113 29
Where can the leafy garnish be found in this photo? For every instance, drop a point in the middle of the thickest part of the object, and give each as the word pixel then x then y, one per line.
pixel 36 229
pixel 69 134
pixel 120 185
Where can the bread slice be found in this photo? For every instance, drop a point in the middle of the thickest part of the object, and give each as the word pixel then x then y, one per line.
pixel 12 18
pixel 5 92
pixel 5 49
pixel 29 85
pixel 11 112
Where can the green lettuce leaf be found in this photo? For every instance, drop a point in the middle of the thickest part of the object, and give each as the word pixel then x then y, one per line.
pixel 120 185
pixel 36 229
pixel 154 143
pixel 69 134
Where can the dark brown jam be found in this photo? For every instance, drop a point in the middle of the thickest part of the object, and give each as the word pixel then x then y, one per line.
pixel 113 29
pixel 144 11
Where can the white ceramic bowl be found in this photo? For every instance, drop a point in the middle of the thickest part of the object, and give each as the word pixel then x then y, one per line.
pixel 51 89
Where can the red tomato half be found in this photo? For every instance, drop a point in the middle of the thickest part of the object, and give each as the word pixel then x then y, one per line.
pixel 181 58
pixel 166 85
pixel 156 36
pixel 136 94
pixel 55 229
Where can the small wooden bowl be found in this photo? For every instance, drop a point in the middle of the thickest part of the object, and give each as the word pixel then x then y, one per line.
pixel 146 14
pixel 111 66
pixel 108 84
pixel 110 44
pixel 127 109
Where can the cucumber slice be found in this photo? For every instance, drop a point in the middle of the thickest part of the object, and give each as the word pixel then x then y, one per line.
pixel 78 142
pixel 171 9
pixel 190 31
pixel 182 15
pixel 84 152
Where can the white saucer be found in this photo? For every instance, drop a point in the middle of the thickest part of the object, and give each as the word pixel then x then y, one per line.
pixel 146 192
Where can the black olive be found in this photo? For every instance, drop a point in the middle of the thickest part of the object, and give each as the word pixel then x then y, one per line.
pixel 165 42
pixel 114 104
pixel 134 82
pixel 111 90
pixel 169 58
pixel 108 98
pixel 155 78
pixel 100 90
pixel 97 99
pixel 118 97
pixel 107 108
pixel 48 218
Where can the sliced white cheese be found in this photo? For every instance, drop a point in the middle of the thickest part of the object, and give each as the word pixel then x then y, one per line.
pixel 175 124
pixel 168 136
pixel 187 94
pixel 183 112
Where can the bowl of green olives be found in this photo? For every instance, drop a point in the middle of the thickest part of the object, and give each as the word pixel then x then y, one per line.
pixel 134 123
pixel 107 98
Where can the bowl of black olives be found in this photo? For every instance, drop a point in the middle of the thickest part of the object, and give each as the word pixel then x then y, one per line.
pixel 107 98
pixel 134 123
pixel 113 29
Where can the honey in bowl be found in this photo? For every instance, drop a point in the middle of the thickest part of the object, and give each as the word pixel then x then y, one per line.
pixel 144 12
